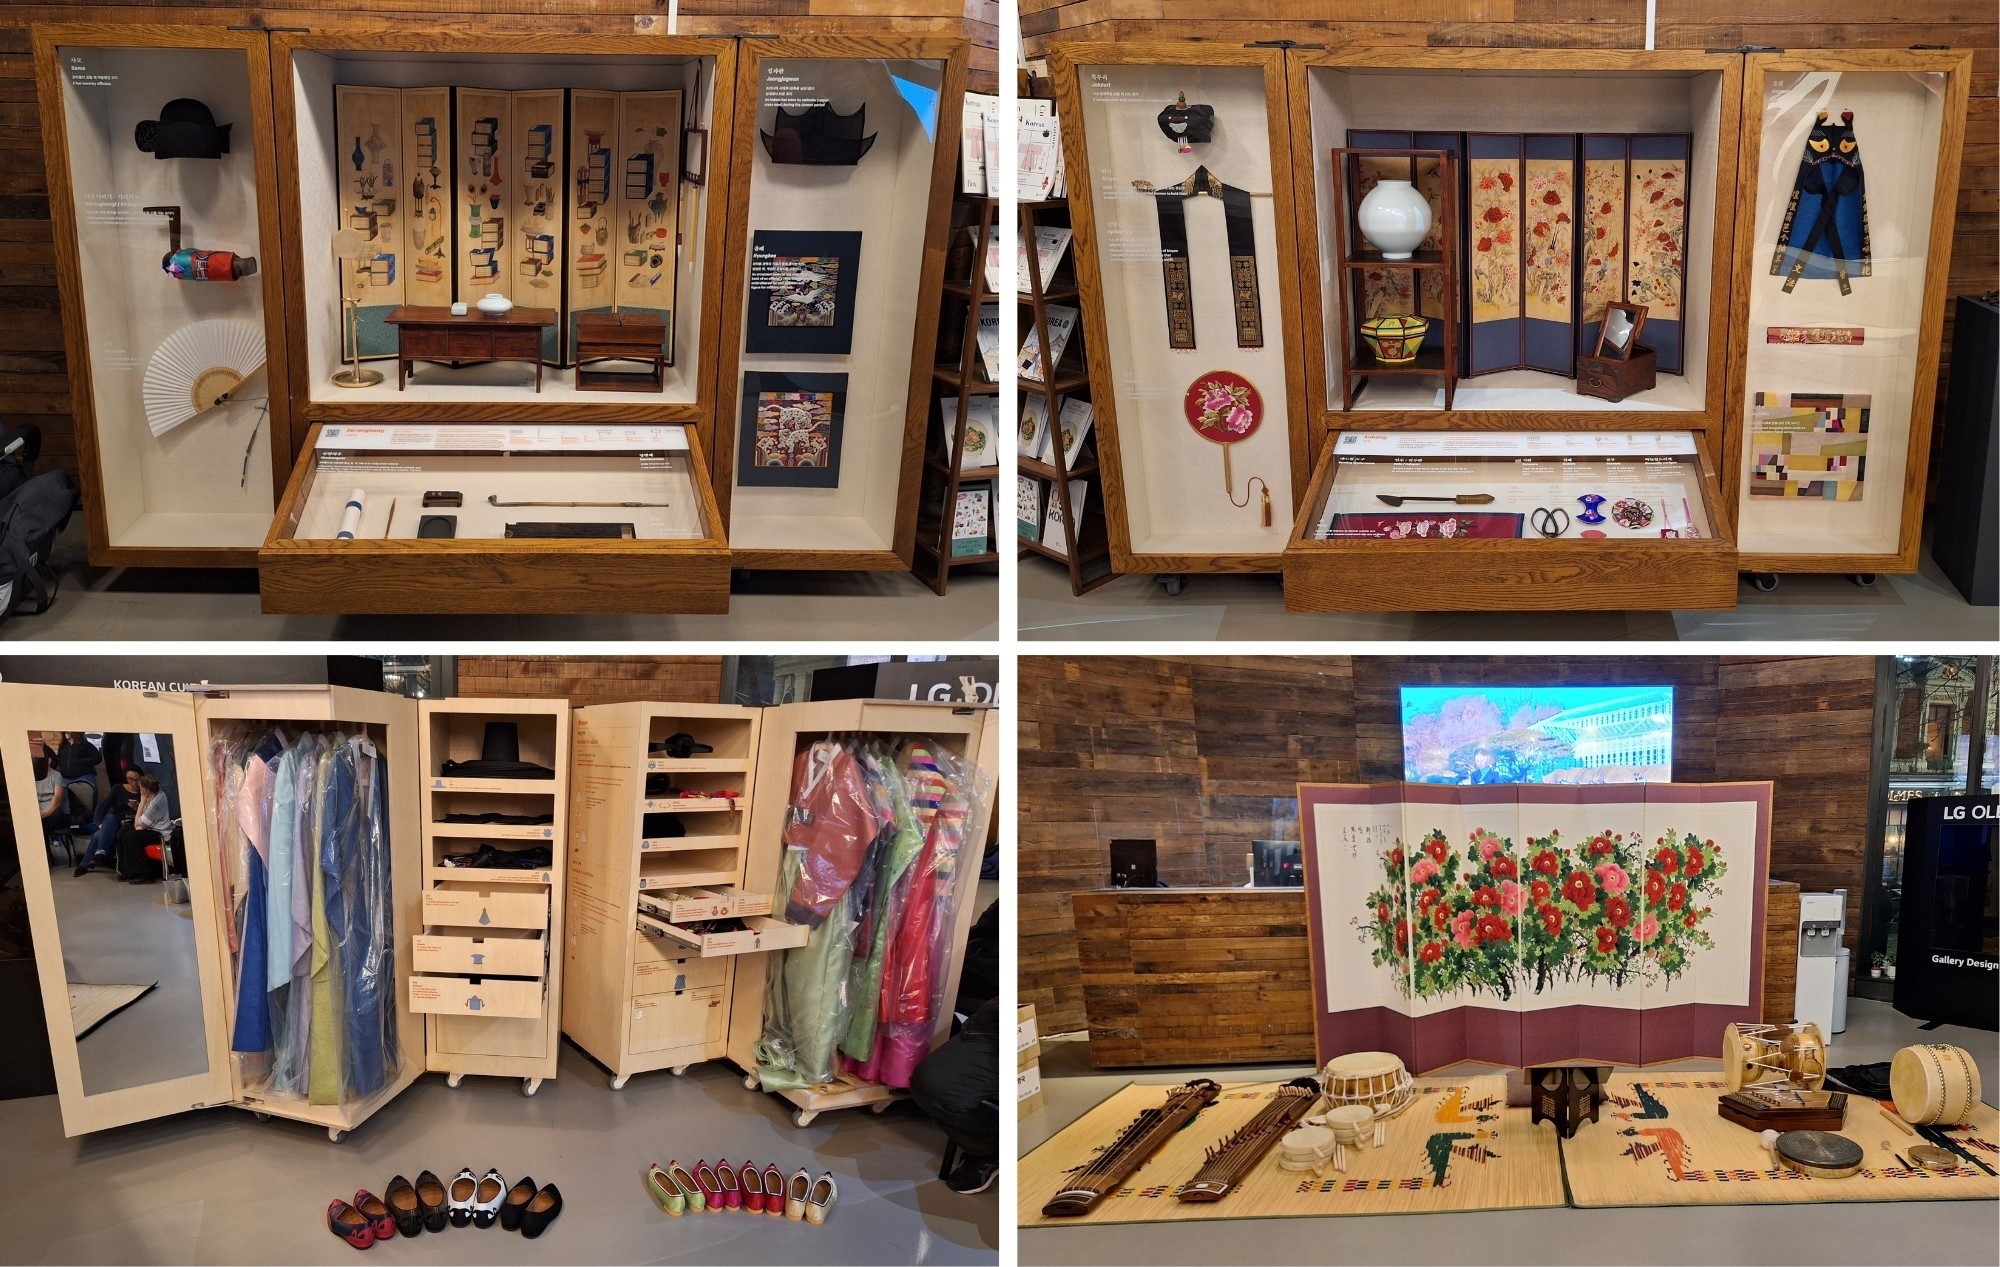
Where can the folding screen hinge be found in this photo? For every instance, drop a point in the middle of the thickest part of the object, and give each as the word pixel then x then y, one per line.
pixel 1280 44
pixel 1746 48
pixel 1930 48
pixel 267 30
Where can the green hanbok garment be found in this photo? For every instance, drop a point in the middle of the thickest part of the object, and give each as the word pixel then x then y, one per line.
pixel 326 1025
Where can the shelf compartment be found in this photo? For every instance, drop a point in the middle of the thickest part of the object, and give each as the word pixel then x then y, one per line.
pixel 689 1018
pixel 730 737
pixel 690 868
pixel 695 904
pixel 760 933
pixel 687 972
pixel 697 765
pixel 475 996
pixel 491 831
pixel 694 805
pixel 499 953
pixel 468 906
pixel 541 877
pixel 461 736
pixel 495 787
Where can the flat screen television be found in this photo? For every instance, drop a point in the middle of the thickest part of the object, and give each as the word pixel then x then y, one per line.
pixel 1538 734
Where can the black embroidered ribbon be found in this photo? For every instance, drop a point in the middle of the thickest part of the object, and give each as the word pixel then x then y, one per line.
pixel 1171 203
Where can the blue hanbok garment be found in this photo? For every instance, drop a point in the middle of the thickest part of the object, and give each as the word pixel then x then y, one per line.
pixel 357 910
pixel 253 813
pixel 292 846
pixel 280 951
pixel 1825 230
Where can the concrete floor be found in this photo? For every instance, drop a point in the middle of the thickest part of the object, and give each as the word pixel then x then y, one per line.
pixel 144 604
pixel 126 933
pixel 1817 1235
pixel 221 1187
pixel 1921 606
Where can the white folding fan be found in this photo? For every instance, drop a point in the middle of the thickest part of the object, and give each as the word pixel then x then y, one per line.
pixel 196 366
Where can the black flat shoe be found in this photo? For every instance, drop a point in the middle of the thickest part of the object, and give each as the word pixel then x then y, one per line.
pixel 541 1212
pixel 401 1199
pixel 431 1201
pixel 517 1200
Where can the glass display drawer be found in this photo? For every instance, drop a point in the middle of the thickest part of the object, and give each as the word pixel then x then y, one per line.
pixel 1429 521
pixel 476 519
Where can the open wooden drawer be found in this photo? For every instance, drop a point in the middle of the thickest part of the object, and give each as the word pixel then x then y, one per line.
pixel 645 488
pixel 1649 501
pixel 759 932
pixel 682 906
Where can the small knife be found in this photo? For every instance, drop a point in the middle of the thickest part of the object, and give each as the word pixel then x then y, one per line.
pixel 1463 499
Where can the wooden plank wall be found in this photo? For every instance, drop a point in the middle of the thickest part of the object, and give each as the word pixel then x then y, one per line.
pixel 593 679
pixel 34 387
pixel 1808 725
pixel 1837 24
pixel 1199 754
pixel 1781 969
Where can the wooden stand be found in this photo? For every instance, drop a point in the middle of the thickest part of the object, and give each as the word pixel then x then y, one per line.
pixel 491 988
pixel 621 336
pixel 643 994
pixel 943 468
pixel 1088 557
pixel 1566 1096
pixel 434 334
pixel 1438 357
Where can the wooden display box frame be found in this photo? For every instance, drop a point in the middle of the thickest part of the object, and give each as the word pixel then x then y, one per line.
pixel 700 414
pixel 258 133
pixel 1956 66
pixel 953 53
pixel 476 576
pixel 190 721
pixel 517 1030
pixel 970 730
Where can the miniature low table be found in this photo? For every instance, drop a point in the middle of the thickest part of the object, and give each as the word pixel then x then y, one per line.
pixel 434 334
pixel 621 336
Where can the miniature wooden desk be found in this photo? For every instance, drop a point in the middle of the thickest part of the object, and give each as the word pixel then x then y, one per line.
pixel 433 334
pixel 621 336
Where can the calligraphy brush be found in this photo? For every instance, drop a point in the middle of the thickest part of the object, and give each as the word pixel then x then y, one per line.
pixel 1463 499
pixel 494 500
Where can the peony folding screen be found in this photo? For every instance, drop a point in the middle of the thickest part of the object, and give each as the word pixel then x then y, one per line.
pixel 1533 925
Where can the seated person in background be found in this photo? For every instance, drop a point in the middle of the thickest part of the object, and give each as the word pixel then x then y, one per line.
pixel 958 1085
pixel 49 793
pixel 115 814
pixel 77 758
pixel 149 827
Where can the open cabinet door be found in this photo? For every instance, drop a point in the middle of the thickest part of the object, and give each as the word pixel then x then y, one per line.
pixel 128 977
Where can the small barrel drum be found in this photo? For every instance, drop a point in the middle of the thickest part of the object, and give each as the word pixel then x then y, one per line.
pixel 1375 1079
pixel 1934 1084
pixel 1803 1053
pixel 1352 1124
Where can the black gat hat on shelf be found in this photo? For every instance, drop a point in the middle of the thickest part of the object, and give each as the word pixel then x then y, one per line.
pixel 680 745
pixel 499 757
pixel 185 129
pixel 818 137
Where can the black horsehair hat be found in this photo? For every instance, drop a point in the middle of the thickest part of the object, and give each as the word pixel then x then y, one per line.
pixel 185 129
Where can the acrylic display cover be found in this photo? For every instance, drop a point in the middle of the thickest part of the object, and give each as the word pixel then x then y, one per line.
pixel 802 287
pixel 1535 925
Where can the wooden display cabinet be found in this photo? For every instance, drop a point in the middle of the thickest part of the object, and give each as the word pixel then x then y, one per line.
pixel 644 993
pixel 971 731
pixel 483 974
pixel 190 724
pixel 201 493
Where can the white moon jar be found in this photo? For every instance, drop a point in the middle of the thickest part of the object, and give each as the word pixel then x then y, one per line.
pixel 1394 218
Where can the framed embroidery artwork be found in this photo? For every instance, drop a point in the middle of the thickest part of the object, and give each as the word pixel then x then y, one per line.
pixel 1634 246
pixel 790 430
pixel 1811 445
pixel 1521 219
pixel 802 291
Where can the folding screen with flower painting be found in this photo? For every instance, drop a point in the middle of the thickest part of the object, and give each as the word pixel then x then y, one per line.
pixel 1388 292
pixel 1520 230
pixel 1634 231
pixel 1534 925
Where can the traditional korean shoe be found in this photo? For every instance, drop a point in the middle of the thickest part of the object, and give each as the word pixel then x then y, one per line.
pixel 689 1188
pixel 486 1200
pixel 711 1185
pixel 664 1190
pixel 824 1193
pixel 732 1193
pixel 752 1183
pixel 401 1199
pixel 463 1188
pixel 376 1212
pixel 795 1194
pixel 774 1191
pixel 349 1224
pixel 541 1212
pixel 432 1203
pixel 517 1200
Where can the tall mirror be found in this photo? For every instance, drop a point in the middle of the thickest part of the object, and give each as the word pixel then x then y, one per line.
pixel 111 807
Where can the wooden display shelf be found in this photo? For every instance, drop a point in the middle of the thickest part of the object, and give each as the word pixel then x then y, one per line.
pixel 491 831
pixel 439 874
pixel 697 765
pixel 1439 356
pixel 1430 361
pixel 1048 471
pixel 963 380
pixel 696 804
pixel 505 787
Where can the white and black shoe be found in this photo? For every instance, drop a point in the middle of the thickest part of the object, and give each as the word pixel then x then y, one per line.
pixel 974 1174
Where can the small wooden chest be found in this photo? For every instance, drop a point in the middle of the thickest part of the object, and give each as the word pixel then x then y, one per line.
pixel 1606 379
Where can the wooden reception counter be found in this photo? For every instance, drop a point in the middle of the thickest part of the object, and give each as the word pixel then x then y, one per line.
pixel 1223 976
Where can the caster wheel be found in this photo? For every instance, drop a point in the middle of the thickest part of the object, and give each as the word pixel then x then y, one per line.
pixel 618 1083
pixel 1866 580
pixel 1763 582
pixel 453 1079
pixel 263 1117
pixel 680 1070
pixel 1174 584
pixel 335 1134
pixel 880 1106
pixel 750 1081
pixel 803 1117
pixel 530 1085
